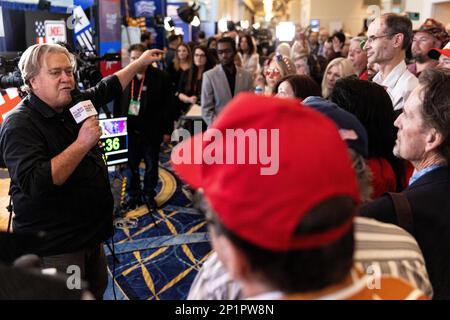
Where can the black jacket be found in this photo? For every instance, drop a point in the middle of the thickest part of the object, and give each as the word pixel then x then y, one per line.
pixel 78 214
pixel 429 198
pixel 157 106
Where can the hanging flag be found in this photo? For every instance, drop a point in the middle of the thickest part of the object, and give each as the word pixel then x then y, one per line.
pixel 82 29
pixel 145 9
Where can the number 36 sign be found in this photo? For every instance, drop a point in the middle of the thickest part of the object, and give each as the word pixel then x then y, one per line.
pixel 114 140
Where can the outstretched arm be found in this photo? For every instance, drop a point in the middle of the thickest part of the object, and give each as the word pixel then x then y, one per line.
pixel 147 58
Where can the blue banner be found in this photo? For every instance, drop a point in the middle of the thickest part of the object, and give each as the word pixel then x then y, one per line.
pixel 149 9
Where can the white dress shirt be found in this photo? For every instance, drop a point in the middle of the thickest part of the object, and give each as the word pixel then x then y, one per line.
pixel 399 84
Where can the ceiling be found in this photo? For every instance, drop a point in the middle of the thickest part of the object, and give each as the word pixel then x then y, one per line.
pixel 280 7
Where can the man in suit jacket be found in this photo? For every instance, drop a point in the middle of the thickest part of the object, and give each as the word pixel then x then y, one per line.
pixel 148 103
pixel 424 140
pixel 223 82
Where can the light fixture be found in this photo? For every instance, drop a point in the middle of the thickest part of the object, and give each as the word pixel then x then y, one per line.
pixel 168 24
pixel 268 6
pixel 223 25
pixel 44 5
pixel 179 31
pixel 187 13
pixel 244 24
pixel 285 31
pixel 196 22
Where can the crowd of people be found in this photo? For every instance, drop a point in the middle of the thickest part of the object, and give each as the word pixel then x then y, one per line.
pixel 361 192
pixel 387 91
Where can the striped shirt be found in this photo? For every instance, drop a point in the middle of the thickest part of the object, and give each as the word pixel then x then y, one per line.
pixel 380 248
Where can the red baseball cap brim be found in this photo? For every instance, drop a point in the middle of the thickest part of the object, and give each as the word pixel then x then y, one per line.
pixel 436 53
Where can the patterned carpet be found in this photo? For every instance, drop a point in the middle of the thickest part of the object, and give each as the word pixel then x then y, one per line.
pixel 158 255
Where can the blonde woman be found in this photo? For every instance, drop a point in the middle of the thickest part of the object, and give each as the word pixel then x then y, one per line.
pixel 336 69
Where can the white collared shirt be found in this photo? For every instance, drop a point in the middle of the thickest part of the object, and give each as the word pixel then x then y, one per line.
pixel 399 84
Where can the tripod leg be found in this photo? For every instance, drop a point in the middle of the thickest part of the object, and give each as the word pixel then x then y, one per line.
pixel 150 212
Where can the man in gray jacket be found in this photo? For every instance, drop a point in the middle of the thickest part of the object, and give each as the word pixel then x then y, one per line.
pixel 223 82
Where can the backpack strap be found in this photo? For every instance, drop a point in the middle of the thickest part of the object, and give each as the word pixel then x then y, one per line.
pixel 403 211
pixel 10 209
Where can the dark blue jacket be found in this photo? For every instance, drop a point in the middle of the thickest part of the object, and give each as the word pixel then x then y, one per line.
pixel 429 198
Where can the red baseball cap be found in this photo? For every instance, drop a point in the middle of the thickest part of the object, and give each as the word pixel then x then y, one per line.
pixel 294 159
pixel 435 53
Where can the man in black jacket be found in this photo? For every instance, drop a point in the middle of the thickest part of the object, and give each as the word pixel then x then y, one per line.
pixel 148 104
pixel 59 181
pixel 424 140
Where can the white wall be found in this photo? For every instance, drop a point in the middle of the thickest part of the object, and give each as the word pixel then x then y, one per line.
pixel 351 13
pixel 425 7
pixel 228 9
pixel 295 11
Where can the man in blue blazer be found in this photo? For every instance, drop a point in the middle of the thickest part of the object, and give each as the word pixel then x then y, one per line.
pixel 424 140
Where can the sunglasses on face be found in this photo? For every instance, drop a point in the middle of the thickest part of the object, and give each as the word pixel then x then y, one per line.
pixel 272 73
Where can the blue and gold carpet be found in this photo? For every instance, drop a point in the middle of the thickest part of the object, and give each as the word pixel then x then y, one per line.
pixel 158 257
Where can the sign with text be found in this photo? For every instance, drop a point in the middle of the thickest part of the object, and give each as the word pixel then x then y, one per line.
pixel 55 31
pixel 114 140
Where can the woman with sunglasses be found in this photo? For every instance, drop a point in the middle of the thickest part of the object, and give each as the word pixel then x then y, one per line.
pixel 278 68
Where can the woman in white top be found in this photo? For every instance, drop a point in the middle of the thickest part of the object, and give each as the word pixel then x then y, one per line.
pixel 248 55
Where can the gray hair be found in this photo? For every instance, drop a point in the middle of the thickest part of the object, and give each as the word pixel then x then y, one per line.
pixel 359 39
pixel 30 63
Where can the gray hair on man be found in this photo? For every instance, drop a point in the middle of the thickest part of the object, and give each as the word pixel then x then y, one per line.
pixel 360 39
pixel 30 63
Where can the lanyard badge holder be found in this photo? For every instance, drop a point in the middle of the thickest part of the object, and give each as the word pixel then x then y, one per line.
pixel 135 105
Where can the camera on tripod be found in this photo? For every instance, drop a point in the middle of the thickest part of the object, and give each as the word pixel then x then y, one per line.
pixel 10 76
pixel 88 73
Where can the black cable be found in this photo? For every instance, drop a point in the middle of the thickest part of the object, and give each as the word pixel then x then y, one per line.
pixel 114 268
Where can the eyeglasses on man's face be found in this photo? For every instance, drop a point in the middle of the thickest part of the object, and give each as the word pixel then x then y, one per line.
pixel 372 39
pixel 225 51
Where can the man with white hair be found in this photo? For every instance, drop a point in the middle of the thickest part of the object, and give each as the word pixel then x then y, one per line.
pixel 358 57
pixel 388 39
pixel 59 181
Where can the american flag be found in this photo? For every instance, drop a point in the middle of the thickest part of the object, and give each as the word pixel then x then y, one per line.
pixel 40 32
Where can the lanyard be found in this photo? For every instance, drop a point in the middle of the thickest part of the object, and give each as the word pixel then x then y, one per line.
pixel 140 89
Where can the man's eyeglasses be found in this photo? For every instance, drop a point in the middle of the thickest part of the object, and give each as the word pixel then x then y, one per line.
pixel 373 38
pixel 224 51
